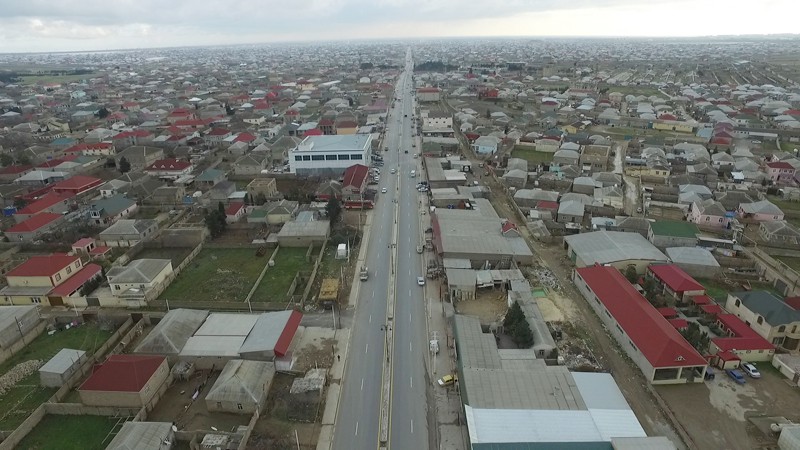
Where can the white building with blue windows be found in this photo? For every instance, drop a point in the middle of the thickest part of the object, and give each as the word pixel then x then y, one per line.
pixel 329 155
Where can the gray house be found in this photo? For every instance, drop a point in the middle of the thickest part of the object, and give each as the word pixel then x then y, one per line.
pixel 128 232
pixel 571 211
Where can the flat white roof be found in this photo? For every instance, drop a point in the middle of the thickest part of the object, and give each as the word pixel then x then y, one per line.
pixel 221 346
pixel 338 143
pixel 221 324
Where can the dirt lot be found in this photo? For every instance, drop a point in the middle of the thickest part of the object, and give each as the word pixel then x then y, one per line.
pixel 489 305
pixel 274 430
pixel 177 406
pixel 732 406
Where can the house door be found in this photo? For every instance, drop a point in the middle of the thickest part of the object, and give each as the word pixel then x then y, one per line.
pixel 56 301
pixel 92 301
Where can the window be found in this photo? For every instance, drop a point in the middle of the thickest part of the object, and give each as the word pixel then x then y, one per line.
pixel 298 158
pixel 344 157
pixel 760 320
pixel 239 406
pixel 737 303
pixel 36 300
pixel 77 264
pixel 306 158
pixel 116 287
pixel 781 329
pixel 356 157
pixel 58 277
pixel 69 270
pixel 330 157
pixel 318 157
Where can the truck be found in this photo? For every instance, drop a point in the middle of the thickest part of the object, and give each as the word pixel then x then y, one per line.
pixel 363 275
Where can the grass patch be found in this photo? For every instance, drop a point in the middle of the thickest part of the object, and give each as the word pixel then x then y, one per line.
pixel 278 279
pixel 531 155
pixel 33 79
pixel 716 290
pixel 175 254
pixel 217 274
pixel 785 205
pixel 70 433
pixel 792 262
pixel 27 394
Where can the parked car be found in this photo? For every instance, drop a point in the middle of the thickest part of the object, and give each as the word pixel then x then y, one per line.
pixel 736 375
pixel 421 281
pixel 750 370
pixel 383 190
pixel 447 380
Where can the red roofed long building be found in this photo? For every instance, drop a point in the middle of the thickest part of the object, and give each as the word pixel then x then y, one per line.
pixel 33 228
pixel 125 381
pixel 93 149
pixel 429 94
pixel 52 278
pixel 741 340
pixel 171 169
pixel 654 345
pixel 77 185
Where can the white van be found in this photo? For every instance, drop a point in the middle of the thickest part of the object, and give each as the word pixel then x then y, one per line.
pixel 413 174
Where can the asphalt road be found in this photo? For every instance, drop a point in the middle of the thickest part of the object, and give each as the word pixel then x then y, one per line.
pixel 408 426
pixel 357 424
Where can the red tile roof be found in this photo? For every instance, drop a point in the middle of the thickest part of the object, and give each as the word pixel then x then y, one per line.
pixel 285 339
pixel 656 338
pixel 679 324
pixel 428 90
pixel 45 202
pixel 43 265
pixel 78 183
pixel 244 137
pixel 219 132
pixel 169 164
pixel 313 132
pixel 83 242
pixel 711 309
pixel 99 250
pixel 780 165
pixel 34 223
pixel 546 204
pixel 794 302
pixel 667 312
pixel 77 280
pixel 77 148
pixel 123 373
pixel 675 278
pixel 355 176
pixel 701 300
pixel 14 170
pixel 233 208
pixel 508 226
pixel 727 355
pixel 745 338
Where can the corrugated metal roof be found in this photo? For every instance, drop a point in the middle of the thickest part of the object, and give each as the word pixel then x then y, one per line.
pixel 141 436
pixel 599 391
pixel 172 332
pixel 265 332
pixel 242 382
pixel 62 361
pixel 612 246
pixel 221 346
pixel 222 324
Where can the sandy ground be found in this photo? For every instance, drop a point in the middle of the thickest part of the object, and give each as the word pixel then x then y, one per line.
pixel 488 305
pixel 731 406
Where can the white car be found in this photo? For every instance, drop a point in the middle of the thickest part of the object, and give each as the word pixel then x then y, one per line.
pixel 750 370
pixel 383 190
pixel 394 170
pixel 421 281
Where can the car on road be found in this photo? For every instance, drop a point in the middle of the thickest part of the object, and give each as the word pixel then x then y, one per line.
pixel 736 375
pixel 447 380
pixel 383 190
pixel 394 170
pixel 750 370
pixel 419 249
pixel 421 281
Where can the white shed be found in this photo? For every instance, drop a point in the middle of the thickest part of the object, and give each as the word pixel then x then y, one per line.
pixel 56 372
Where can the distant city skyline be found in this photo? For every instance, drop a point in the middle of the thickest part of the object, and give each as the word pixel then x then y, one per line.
pixel 91 25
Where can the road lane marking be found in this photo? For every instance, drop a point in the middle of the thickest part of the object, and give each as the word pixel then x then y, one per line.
pixel 409 320
pixel 409 348
pixel 411 379
pixel 412 426
pixel 357 428
pixel 370 318
pixel 362 384
pixel 366 350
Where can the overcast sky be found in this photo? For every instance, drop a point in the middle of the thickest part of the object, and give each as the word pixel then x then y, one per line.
pixel 75 25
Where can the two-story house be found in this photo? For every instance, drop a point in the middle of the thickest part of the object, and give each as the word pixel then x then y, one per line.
pixel 780 172
pixel 108 210
pixel 52 278
pixel 674 282
pixel 134 281
pixel 760 211
pixel 169 169
pixel 770 316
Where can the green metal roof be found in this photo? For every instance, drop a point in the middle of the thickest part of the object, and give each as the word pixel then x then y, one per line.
pixel 674 228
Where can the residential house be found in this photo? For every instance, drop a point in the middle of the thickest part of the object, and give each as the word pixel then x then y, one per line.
pixel 39 178
pixel 125 381
pixel 209 178
pixel 112 187
pixel 77 185
pixel 128 232
pixel 354 182
pixel 485 145
pixel 133 137
pixel 234 212
pixel 169 169
pixel 739 342
pixel 138 278
pixel 32 281
pixel 780 172
pixel 11 173
pixel 48 203
pixel 779 233
pixel 93 149
pixel 88 247
pixel 674 282
pixel 140 156
pixel 710 214
pixel 281 211
pixel 267 187
pixel 770 316
pixel 168 196
pixel 571 211
pixel 760 211
pixel 672 233
pixel 34 228
pixel 221 191
pixel 250 165
pixel 594 158
pixel 106 211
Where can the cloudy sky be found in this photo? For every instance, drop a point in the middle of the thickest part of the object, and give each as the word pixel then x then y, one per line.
pixel 74 25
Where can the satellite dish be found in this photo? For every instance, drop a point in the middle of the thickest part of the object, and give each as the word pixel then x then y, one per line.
pixel 214 428
pixel 174 428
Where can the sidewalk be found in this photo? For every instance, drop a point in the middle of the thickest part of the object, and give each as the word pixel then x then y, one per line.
pixel 451 432
pixel 336 373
